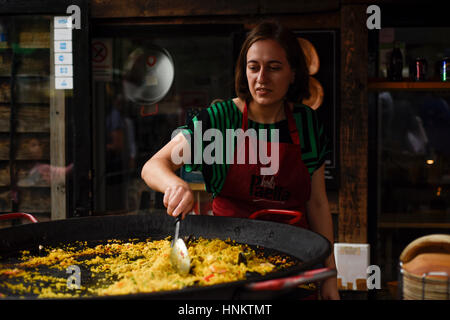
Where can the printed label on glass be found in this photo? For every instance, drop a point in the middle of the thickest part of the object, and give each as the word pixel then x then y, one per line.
pixel 63 46
pixel 62 34
pixel 64 71
pixel 62 22
pixel 63 58
pixel 63 83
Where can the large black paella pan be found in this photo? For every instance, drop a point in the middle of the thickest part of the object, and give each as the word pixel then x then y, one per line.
pixel 307 248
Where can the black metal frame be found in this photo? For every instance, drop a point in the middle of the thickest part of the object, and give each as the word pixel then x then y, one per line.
pixel 329 55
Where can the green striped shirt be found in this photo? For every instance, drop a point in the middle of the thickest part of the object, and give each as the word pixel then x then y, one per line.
pixel 226 115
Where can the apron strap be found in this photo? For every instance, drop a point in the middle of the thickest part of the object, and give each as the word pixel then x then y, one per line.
pixel 245 118
pixel 293 131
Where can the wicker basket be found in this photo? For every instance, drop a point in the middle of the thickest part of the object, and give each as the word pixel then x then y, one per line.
pixel 425 268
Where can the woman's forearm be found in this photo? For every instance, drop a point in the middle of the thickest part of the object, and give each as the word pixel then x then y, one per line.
pixel 159 174
pixel 319 218
pixel 318 211
pixel 320 221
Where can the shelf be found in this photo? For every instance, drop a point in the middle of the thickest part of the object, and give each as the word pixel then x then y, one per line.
pixel 197 186
pixel 26 47
pixel 26 76
pixel 414 225
pixel 431 220
pixel 408 85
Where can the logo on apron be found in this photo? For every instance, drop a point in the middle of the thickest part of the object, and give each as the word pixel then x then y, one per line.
pixel 265 188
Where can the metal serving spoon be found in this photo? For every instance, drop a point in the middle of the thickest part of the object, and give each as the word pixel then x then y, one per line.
pixel 179 256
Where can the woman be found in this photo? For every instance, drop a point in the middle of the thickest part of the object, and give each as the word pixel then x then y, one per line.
pixel 271 77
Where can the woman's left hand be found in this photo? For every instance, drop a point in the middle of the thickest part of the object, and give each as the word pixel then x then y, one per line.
pixel 328 289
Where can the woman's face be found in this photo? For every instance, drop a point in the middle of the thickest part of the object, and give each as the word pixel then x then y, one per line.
pixel 268 72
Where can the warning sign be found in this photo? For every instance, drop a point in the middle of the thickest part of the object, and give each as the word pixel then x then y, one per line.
pixel 101 57
pixel 151 60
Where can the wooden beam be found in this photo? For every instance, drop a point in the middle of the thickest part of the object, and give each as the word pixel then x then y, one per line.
pixel 34 200
pixel 5 113
pixel 29 146
pixel 29 118
pixel 329 20
pixel 57 147
pixel 5 179
pixel 179 8
pixel 5 200
pixel 353 129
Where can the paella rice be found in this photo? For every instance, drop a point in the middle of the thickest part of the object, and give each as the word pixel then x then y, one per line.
pixel 133 266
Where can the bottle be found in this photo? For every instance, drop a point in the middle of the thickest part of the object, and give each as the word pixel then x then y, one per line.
pixel 445 69
pixel 419 69
pixel 396 64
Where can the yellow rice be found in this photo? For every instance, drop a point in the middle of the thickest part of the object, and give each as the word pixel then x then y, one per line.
pixel 134 267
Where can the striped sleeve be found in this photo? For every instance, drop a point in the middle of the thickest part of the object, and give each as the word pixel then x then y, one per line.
pixel 220 116
pixel 193 131
pixel 313 140
pixel 323 142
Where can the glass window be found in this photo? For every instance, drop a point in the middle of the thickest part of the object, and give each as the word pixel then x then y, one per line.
pixel 414 154
pixel 33 168
pixel 131 122
pixel 412 141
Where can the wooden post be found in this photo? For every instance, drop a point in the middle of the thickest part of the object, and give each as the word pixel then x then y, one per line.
pixel 57 143
pixel 352 224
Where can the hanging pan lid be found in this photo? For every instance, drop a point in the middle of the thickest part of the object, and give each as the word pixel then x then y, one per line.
pixel 316 91
pixel 148 75
pixel 311 56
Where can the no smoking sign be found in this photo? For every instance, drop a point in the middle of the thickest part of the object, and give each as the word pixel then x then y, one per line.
pixel 101 57
pixel 99 52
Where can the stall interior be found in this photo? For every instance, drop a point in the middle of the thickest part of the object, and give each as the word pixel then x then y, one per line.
pixel 136 108
pixel 409 103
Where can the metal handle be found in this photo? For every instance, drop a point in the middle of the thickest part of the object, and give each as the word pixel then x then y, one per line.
pixel 296 214
pixel 177 229
pixel 291 282
pixel 18 215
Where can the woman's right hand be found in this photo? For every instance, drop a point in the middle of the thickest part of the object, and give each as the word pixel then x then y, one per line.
pixel 178 199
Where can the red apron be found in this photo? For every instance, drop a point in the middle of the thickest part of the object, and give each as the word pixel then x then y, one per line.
pixel 245 190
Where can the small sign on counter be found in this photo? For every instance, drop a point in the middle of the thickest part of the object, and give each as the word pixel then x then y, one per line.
pixel 352 261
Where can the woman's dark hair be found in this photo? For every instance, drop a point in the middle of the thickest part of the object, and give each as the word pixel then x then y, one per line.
pixel 273 30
